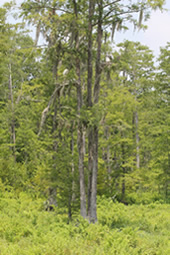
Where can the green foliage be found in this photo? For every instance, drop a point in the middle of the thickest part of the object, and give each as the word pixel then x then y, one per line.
pixel 45 81
pixel 25 228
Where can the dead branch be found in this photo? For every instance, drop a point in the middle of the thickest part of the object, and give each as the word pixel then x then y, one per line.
pixel 46 110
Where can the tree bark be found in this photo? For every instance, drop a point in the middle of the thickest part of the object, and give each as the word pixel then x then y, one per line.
pixel 12 124
pixel 93 199
pixel 80 134
pixel 90 167
pixel 137 140
pixel 80 145
pixel 81 171
pixel 90 60
pixel 93 134
pixel 123 172
pixel 89 104
pixel 73 195
pixel 108 156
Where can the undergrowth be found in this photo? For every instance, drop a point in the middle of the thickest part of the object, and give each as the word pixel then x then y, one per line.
pixel 26 229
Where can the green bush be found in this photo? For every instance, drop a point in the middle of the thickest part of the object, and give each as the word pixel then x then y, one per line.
pixel 144 198
pixel 26 229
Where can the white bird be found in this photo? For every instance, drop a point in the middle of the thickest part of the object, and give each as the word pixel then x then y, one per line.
pixel 65 72
pixel 109 58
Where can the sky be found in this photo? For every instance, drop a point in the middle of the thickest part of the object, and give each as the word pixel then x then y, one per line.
pixel 157 35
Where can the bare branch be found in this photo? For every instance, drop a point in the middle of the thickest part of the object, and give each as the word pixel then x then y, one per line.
pixel 49 7
pixel 116 15
pixel 114 2
pixel 46 110
pixel 38 27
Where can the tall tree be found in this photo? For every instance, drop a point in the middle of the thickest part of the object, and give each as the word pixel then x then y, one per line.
pixel 17 67
pixel 98 16
pixel 161 153
pixel 102 14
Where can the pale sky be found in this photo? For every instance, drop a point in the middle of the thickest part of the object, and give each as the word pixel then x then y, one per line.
pixel 157 35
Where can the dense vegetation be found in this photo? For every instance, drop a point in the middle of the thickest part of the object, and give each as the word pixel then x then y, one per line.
pixel 26 229
pixel 80 119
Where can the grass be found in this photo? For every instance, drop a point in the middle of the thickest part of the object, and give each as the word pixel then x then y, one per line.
pixel 26 229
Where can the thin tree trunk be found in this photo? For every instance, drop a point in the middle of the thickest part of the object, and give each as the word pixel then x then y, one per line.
pixel 52 199
pixel 89 105
pixel 37 35
pixel 13 137
pixel 137 141
pixel 80 133
pixel 81 171
pixel 90 44
pixel 93 130
pixel 93 199
pixel 69 207
pixel 136 132
pixel 80 143
pixel 108 156
pixel 98 59
pixel 90 167
pixel 71 195
pixel 123 173
pixel 73 167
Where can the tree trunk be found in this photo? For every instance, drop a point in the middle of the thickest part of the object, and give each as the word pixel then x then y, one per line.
pixel 108 156
pixel 12 124
pixel 89 105
pixel 90 60
pixel 73 195
pixel 53 190
pixel 80 145
pixel 136 133
pixel 81 171
pixel 137 140
pixel 93 199
pixel 93 134
pixel 51 202
pixel 123 172
pixel 90 167
pixel 80 133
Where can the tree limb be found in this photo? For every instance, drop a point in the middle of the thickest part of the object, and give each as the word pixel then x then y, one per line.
pixel 114 2
pixel 46 110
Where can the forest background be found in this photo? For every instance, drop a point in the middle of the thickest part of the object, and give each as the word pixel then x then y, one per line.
pixel 78 119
